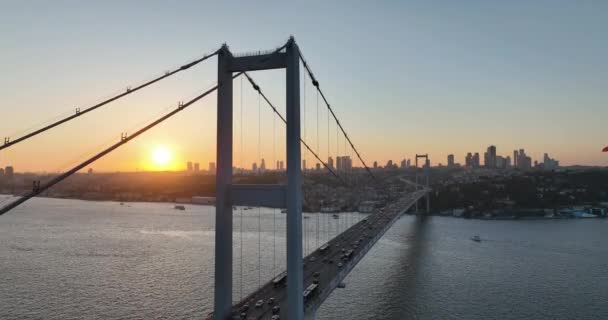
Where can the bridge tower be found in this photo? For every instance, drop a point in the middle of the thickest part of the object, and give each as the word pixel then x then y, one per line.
pixel 426 168
pixel 276 196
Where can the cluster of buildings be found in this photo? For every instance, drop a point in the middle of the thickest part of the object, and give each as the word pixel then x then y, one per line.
pixel 7 172
pixel 494 161
pixel 342 163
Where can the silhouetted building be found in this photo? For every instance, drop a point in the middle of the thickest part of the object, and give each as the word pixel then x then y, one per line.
pixel 254 167
pixel 1 172
pixel 211 167
pixel 318 166
pixel 303 165
pixel 476 163
pixel 451 160
pixel 468 160
pixel 549 163
pixel 344 163
pixel 375 164
pixel 281 165
pixel 9 172
pixel 330 162
pixel 490 157
pixel 197 167
pixel 189 166
pixel 262 166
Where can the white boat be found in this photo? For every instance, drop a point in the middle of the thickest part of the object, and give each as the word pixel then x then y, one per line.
pixel 476 238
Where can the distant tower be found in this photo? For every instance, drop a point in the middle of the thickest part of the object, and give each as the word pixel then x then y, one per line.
pixel 197 167
pixel 212 167
pixel 304 164
pixel 451 160
pixel 189 166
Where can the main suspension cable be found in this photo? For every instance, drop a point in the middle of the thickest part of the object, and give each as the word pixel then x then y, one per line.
pixel 257 88
pixel 316 84
pixel 39 188
pixel 78 112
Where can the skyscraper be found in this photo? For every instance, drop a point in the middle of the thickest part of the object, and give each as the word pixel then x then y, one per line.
pixel 263 166
pixel 197 167
pixel 211 167
pixel 451 160
pixel 189 166
pixel 304 165
pixel 468 160
pixel 490 158
pixel 476 160
pixel 9 172
pixel 330 162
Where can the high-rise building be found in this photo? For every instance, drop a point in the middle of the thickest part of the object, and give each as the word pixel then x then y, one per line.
pixel 490 157
pixel 278 165
pixel 318 166
pixel 304 165
pixel 330 162
pixel 262 166
pixel 344 163
pixel 515 158
pixel 375 164
pixel 189 166
pixel 211 167
pixel 508 162
pixel 409 163
pixel 281 165
pixel 1 172
pixel 451 160
pixel 427 163
pixel 9 172
pixel 549 163
pixel 254 167
pixel 389 164
pixel 476 163
pixel 500 162
pixel 403 164
pixel 197 167
pixel 468 160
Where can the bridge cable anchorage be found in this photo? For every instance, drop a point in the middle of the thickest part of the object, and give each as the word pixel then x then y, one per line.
pixel 80 112
pixel 124 140
pixel 316 84
pixel 257 88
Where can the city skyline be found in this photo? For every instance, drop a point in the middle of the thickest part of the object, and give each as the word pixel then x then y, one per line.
pixel 535 80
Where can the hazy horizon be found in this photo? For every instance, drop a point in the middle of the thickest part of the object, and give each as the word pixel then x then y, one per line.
pixel 403 77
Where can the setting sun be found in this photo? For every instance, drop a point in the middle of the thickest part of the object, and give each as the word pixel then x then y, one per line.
pixel 161 156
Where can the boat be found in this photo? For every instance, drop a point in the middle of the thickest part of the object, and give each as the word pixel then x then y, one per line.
pixel 283 210
pixel 335 216
pixel 476 239
pixel 179 207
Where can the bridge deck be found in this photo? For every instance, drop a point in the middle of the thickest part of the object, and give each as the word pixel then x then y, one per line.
pixel 328 268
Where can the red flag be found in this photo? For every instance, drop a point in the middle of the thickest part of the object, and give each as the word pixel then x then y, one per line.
pixel 605 149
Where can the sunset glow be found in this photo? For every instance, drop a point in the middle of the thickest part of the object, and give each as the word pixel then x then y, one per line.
pixel 162 157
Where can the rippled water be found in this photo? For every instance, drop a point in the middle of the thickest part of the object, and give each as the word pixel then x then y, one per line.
pixel 66 259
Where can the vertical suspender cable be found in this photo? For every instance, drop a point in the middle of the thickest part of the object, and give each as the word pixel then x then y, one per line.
pixel 241 208
pixel 259 212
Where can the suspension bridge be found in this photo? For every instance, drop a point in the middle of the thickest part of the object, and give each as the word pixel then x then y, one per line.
pixel 311 273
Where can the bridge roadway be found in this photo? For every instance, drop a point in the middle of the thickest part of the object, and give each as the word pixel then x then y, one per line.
pixel 328 268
